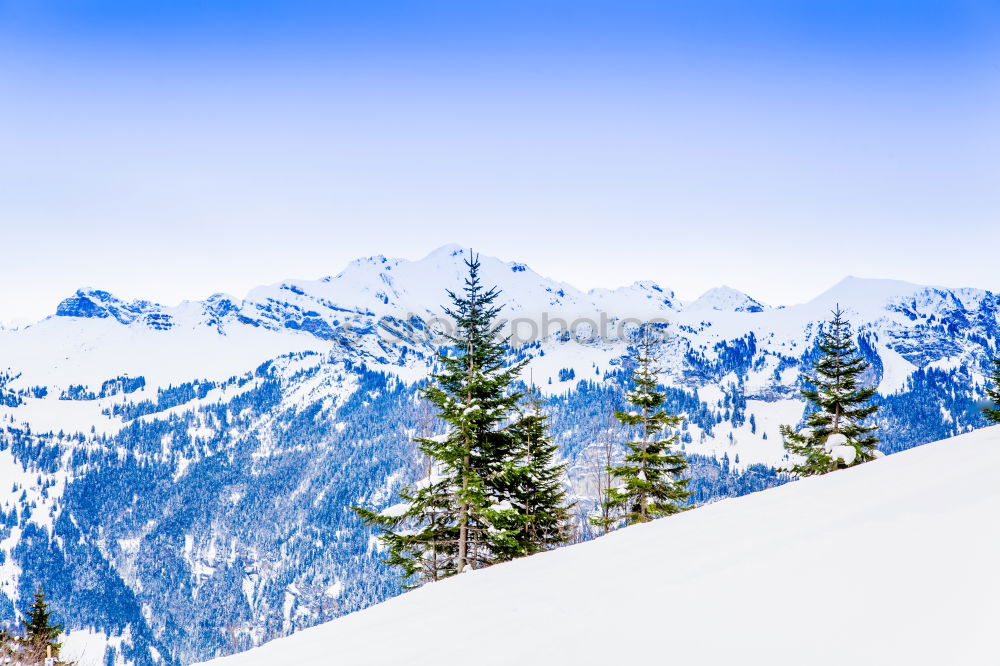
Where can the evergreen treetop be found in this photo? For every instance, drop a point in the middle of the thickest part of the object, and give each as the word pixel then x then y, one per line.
pixel 535 483
pixel 40 637
pixel 650 472
pixel 836 435
pixel 38 625
pixel 993 393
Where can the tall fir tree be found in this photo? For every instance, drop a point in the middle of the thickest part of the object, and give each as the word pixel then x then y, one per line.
pixel 836 436
pixel 993 393
pixel 650 474
pixel 479 503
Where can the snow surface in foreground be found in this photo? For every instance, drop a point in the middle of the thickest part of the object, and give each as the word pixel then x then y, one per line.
pixel 892 562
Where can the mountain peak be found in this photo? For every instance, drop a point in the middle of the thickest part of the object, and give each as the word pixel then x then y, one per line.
pixel 865 295
pixel 726 299
pixel 448 250
pixel 93 303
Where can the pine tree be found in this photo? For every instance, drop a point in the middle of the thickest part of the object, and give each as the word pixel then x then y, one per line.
pixel 464 515
pixel 836 436
pixel 651 486
pixel 41 636
pixel 38 626
pixel 419 532
pixel 993 393
pixel 536 488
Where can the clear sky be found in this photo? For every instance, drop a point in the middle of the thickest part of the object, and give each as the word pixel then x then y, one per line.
pixel 173 149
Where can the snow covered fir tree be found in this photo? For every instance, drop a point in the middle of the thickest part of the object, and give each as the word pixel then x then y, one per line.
pixel 992 413
pixel 39 638
pixel 536 481
pixel 835 436
pixel 493 490
pixel 649 476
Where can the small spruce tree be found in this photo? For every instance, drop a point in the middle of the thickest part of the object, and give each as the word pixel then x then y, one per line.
pixel 40 634
pixel 842 407
pixel 38 624
pixel 993 393
pixel 535 479
pixel 419 532
pixel 650 473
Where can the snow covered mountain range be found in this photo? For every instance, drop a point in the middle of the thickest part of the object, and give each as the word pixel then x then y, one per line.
pixel 180 477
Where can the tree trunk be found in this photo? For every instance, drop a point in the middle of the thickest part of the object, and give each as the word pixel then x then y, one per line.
pixel 463 521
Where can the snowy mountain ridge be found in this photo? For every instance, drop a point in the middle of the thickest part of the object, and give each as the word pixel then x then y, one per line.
pixel 395 298
pixel 396 287
pixel 218 444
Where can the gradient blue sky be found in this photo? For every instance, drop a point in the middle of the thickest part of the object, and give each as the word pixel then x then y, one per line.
pixel 169 150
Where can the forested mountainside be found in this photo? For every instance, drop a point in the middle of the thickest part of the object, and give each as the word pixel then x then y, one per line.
pixel 900 534
pixel 184 475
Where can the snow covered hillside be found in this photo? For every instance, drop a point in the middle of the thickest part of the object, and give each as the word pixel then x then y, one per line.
pixel 180 477
pixel 892 562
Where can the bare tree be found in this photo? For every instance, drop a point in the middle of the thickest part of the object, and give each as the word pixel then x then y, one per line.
pixel 600 456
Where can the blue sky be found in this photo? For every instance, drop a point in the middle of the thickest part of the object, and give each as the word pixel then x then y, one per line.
pixel 169 150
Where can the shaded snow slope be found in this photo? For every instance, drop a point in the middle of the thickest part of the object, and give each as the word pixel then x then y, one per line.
pixel 893 562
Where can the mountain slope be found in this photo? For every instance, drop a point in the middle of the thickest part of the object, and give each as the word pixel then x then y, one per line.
pixel 173 470
pixel 892 562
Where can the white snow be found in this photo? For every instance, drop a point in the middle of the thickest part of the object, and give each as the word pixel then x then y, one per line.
pixel 724 299
pixel 396 510
pixel 59 351
pixel 845 453
pixel 501 506
pixel 334 591
pixel 835 440
pixel 86 647
pixel 895 371
pixel 913 535
pixel 836 445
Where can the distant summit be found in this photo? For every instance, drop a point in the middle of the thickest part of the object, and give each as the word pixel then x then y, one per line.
pixel 725 299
